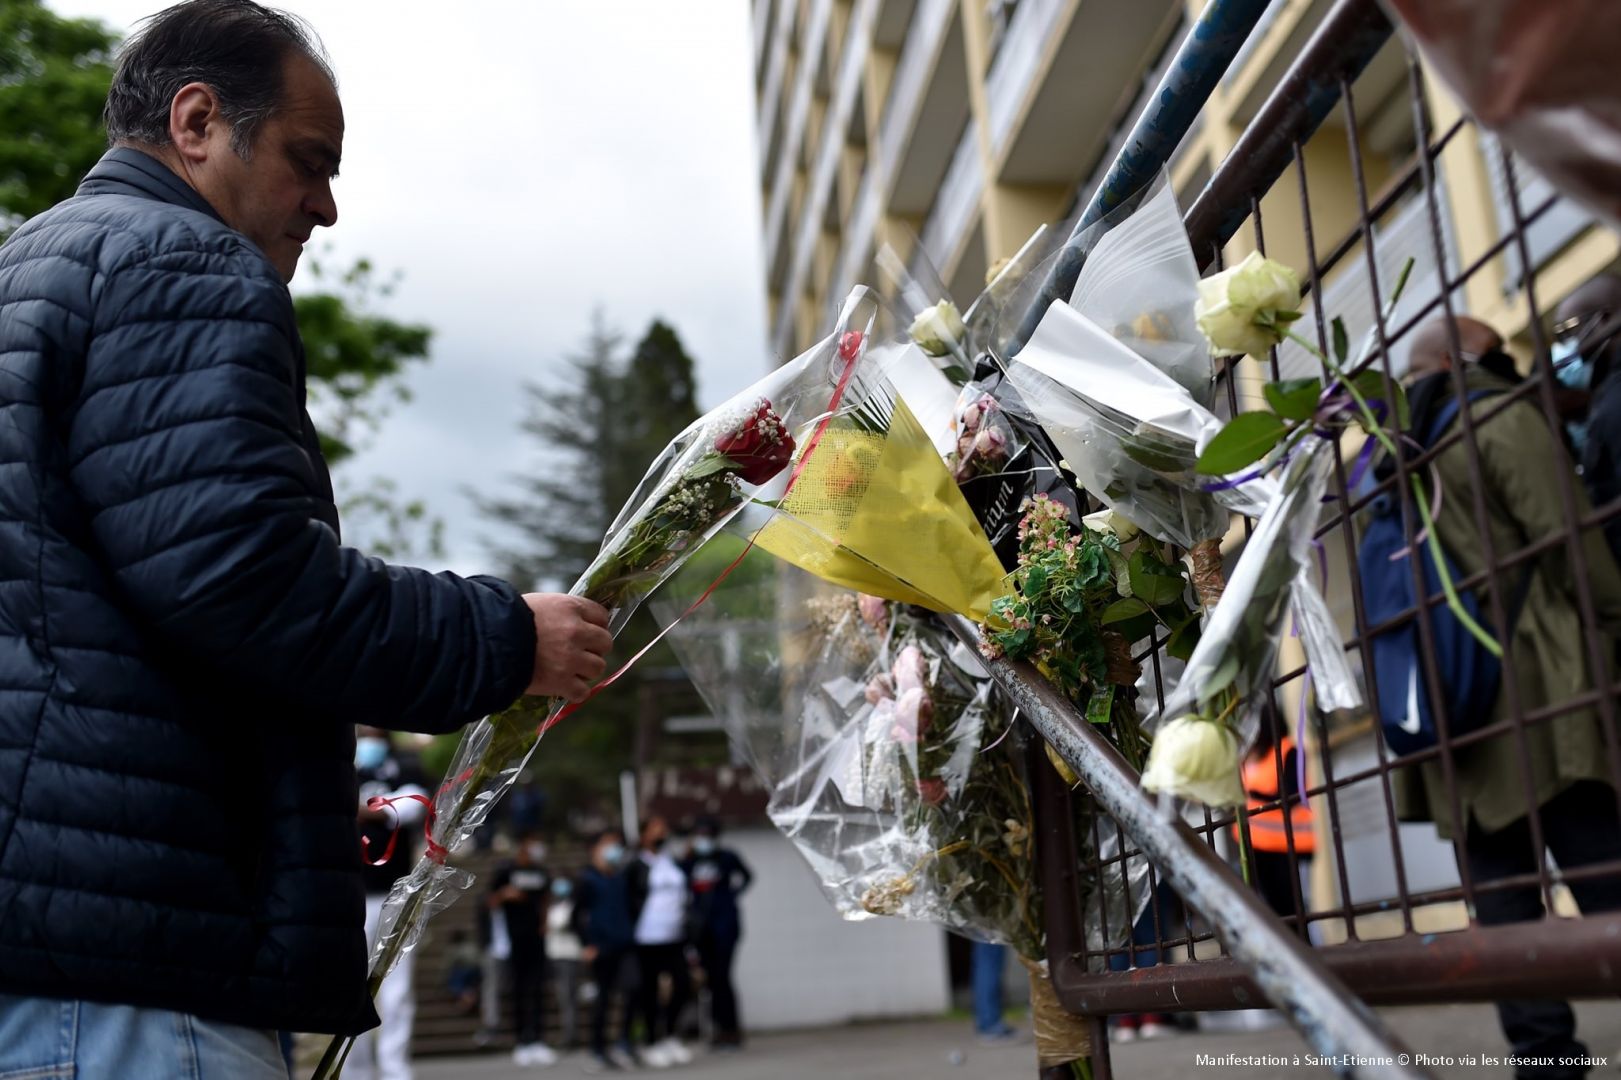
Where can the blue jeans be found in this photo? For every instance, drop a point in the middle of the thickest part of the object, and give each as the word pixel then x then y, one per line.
pixel 51 1039
pixel 985 969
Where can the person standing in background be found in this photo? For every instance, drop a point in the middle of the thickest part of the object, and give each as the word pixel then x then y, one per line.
pixel 521 889
pixel 659 893
pixel 385 1052
pixel 605 921
pixel 717 878
pixel 1587 340
pixel 563 954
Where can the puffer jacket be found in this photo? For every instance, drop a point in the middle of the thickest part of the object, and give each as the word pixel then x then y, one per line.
pixel 185 645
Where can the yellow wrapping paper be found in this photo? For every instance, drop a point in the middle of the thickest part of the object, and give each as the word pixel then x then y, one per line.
pixel 878 512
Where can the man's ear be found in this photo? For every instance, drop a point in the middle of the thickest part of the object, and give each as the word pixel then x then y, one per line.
pixel 191 113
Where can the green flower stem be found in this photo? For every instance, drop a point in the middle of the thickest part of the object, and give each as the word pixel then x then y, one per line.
pixel 1420 497
pixel 1243 842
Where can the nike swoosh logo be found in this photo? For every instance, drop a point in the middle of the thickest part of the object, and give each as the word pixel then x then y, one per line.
pixel 1409 723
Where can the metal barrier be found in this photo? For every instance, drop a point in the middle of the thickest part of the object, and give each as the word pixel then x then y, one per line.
pixel 1263 957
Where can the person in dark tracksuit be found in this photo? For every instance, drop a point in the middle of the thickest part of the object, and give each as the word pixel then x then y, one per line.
pixel 718 877
pixel 605 921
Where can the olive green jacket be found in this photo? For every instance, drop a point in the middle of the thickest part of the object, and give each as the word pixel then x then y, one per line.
pixel 1520 460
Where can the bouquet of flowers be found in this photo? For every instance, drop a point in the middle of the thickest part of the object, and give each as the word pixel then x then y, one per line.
pixel 893 765
pixel 739 452
pixel 877 511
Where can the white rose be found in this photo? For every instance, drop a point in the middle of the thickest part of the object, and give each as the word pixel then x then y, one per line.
pixel 939 331
pixel 1195 759
pixel 1232 303
pixel 1111 521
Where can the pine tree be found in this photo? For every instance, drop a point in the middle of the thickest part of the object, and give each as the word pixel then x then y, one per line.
pixel 596 430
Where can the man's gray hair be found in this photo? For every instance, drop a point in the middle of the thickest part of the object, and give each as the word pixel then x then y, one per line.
pixel 236 47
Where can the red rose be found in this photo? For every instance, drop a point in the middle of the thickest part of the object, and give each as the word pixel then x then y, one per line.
pixel 932 790
pixel 760 445
pixel 850 345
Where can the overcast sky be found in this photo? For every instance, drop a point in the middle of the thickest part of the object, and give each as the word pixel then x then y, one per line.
pixel 524 162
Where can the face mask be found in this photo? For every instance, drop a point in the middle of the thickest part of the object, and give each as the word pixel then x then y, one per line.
pixel 1570 367
pixel 537 852
pixel 613 853
pixel 370 752
pixel 704 845
pixel 561 888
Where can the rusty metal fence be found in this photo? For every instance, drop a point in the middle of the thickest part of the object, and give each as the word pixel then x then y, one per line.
pixel 1214 957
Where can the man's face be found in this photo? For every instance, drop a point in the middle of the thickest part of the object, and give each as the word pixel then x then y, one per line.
pixel 283 192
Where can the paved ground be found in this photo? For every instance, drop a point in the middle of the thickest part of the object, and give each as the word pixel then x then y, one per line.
pixel 902 1051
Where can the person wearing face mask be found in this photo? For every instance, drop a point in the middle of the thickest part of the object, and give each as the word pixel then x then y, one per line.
pixel 659 895
pixel 382 772
pixel 522 889
pixel 563 954
pixel 605 920
pixel 1561 759
pixel 717 877
pixel 1587 335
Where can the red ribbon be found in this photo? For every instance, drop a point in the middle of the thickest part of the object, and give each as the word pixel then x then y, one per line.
pixel 436 851
pixel 849 351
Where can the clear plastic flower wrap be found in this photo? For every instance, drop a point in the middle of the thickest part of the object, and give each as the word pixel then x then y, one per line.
pixel 984 441
pixel 737 453
pixel 1229 676
pixel 892 764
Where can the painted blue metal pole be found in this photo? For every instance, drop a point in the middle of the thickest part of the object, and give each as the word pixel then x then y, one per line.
pixel 1200 62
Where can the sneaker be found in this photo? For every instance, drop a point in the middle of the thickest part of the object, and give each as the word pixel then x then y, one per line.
pixel 1124 1029
pixel 542 1055
pixel 657 1056
pixel 601 1063
pixel 677 1051
pixel 522 1057
pixel 1004 1033
pixel 624 1057
pixel 1155 1026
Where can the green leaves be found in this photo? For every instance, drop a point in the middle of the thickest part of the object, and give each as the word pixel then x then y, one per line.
pixel 1246 439
pixel 1184 636
pixel 1121 610
pixel 1342 341
pixel 1152 581
pixel 1293 399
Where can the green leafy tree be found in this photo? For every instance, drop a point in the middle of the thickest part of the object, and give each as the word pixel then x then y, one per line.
pixel 54 74
pixel 596 430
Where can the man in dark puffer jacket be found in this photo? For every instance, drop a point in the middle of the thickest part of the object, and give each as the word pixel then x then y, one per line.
pixel 185 647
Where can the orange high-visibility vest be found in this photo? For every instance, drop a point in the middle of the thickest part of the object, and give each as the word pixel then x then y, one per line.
pixel 1266 829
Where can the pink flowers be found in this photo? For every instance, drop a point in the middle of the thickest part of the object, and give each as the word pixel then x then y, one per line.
pixel 759 445
pixel 901 694
pixel 982 437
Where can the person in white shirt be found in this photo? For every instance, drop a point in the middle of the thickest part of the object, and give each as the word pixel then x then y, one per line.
pixel 659 893
pixel 563 952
